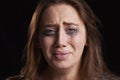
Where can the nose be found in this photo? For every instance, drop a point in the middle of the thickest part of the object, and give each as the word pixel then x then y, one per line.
pixel 61 39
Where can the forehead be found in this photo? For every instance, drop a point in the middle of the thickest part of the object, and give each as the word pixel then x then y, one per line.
pixel 62 11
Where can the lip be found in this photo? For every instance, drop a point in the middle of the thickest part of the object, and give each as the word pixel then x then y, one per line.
pixel 61 55
pixel 60 52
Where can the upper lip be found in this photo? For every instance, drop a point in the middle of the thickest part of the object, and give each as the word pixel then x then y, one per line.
pixel 61 52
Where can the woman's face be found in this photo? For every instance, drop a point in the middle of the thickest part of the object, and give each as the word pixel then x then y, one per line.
pixel 62 36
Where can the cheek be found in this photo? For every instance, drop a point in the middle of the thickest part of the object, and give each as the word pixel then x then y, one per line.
pixel 79 43
pixel 46 44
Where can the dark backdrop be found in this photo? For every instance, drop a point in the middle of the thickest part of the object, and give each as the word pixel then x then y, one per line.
pixel 14 20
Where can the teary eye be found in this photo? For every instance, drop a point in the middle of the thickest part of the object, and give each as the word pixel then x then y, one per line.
pixel 72 31
pixel 49 32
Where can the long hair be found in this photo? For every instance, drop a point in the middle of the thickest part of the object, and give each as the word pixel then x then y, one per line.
pixel 92 65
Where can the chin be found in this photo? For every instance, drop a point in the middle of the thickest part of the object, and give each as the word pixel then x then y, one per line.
pixel 61 65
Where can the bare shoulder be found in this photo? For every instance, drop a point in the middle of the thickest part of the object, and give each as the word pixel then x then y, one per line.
pixel 17 77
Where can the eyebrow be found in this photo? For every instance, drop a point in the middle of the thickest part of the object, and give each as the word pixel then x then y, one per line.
pixel 50 25
pixel 65 23
pixel 70 23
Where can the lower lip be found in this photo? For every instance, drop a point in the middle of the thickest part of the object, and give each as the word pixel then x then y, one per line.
pixel 61 56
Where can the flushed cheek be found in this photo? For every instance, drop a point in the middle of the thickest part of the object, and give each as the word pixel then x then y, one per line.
pixel 78 44
pixel 47 45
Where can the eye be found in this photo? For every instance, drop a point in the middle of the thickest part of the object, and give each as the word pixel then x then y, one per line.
pixel 49 32
pixel 72 31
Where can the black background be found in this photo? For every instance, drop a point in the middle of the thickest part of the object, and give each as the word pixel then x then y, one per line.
pixel 14 20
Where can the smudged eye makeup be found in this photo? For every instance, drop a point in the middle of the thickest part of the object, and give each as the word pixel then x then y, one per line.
pixel 70 30
pixel 49 32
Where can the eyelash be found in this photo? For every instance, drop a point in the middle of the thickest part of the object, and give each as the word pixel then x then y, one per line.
pixel 52 32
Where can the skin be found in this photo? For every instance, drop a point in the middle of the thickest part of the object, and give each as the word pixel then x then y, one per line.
pixel 62 40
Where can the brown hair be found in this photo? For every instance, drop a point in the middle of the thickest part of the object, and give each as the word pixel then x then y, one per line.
pixel 92 65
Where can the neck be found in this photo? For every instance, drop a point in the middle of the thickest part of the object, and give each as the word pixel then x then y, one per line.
pixel 64 74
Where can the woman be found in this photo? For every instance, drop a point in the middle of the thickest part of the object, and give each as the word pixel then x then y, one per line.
pixel 64 43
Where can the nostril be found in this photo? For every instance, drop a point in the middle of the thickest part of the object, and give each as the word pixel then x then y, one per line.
pixel 59 44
